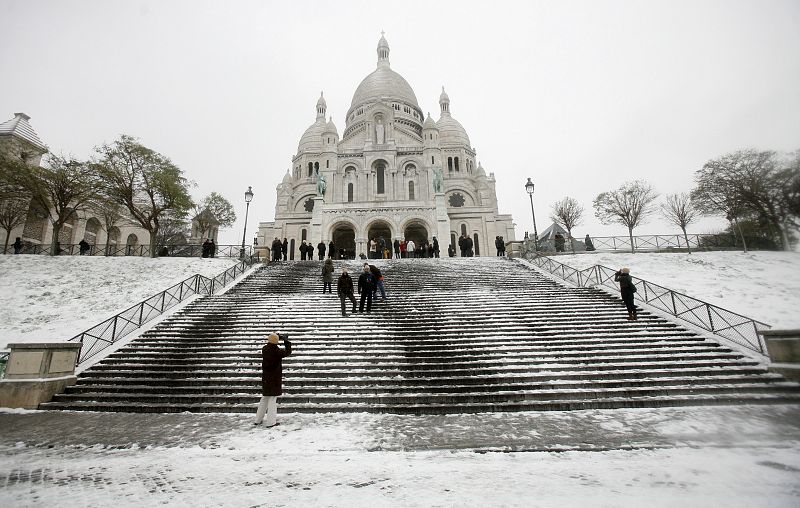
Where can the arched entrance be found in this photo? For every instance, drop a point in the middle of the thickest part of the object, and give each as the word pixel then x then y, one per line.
pixel 417 232
pixel 131 244
pixel 380 230
pixel 344 240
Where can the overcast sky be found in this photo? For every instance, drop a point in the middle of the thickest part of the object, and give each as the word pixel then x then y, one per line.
pixel 580 96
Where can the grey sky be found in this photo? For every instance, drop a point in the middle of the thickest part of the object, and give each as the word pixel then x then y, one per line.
pixel 580 96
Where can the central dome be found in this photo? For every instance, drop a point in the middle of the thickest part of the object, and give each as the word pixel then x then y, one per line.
pixel 383 82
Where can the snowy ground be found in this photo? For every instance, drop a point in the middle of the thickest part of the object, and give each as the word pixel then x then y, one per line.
pixel 745 456
pixel 54 298
pixel 761 285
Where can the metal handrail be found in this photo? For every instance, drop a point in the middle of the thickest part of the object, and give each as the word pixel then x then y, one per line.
pixel 654 243
pixel 173 250
pixel 739 329
pixel 102 335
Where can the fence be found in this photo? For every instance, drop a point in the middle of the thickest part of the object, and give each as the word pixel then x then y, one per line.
pixel 738 329
pixel 101 336
pixel 644 243
pixel 195 250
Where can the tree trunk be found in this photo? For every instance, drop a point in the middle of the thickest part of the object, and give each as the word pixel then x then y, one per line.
pixel 785 237
pixel 8 238
pixel 54 245
pixel 741 235
pixel 153 243
pixel 686 239
pixel 571 241
pixel 630 235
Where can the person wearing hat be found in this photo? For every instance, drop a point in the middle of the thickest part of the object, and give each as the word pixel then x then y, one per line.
pixel 627 289
pixel 272 378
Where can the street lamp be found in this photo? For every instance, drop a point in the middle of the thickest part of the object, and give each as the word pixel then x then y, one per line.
pixel 248 196
pixel 529 189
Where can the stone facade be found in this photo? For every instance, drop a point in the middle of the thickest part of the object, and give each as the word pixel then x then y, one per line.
pixel 380 178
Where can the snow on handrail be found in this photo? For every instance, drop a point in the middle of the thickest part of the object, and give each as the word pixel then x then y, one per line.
pixel 101 336
pixel 739 329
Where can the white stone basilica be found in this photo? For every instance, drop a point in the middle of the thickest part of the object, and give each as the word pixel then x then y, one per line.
pixel 393 174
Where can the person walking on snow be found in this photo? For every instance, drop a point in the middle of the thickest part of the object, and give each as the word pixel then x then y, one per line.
pixel 344 289
pixel 627 289
pixel 327 275
pixel 366 285
pixel 272 378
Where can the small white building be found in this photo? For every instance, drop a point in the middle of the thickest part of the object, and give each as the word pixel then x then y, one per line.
pixel 380 176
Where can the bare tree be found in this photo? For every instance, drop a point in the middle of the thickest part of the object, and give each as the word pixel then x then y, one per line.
pixel 679 209
pixel 630 205
pixel 13 199
pixel 567 213
pixel 145 182
pixel 60 189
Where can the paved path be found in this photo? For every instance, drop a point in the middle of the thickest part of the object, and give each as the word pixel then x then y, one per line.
pixel 737 456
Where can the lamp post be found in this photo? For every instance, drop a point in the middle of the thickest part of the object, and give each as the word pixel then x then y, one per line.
pixel 529 189
pixel 248 196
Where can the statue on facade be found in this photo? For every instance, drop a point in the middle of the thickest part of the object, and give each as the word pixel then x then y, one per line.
pixel 438 180
pixel 380 133
pixel 322 184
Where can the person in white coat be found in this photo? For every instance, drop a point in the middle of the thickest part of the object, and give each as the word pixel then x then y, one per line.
pixel 410 249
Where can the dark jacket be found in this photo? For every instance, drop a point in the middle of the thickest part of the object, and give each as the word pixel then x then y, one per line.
pixel 321 248
pixel 272 368
pixel 435 245
pixel 397 245
pixel 331 250
pixel 345 285
pixel 376 272
pixel 327 272
pixel 366 281
pixel 285 246
pixel 626 286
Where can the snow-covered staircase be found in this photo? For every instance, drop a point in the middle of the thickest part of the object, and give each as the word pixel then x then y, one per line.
pixel 456 335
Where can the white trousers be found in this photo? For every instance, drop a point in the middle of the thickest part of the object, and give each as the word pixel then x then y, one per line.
pixel 268 405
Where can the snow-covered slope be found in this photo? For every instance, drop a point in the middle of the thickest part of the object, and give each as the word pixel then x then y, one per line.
pixel 45 298
pixel 760 285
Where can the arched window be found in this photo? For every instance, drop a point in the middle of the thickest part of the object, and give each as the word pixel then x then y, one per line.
pixel 316 166
pixel 456 161
pixel 450 164
pixel 411 190
pixel 291 249
pixel 303 235
pixel 310 169
pixel 327 163
pixel 381 170
pixel 476 245
pixel 464 230
pixel 432 159
pixel 349 192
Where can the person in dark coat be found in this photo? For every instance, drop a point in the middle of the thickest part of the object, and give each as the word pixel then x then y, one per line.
pixel 83 247
pixel 327 275
pixel 435 247
pixel 377 277
pixel 321 250
pixel 331 249
pixel 366 285
pixel 559 242
pixel 17 245
pixel 627 290
pixel 207 248
pixel 396 246
pixel 277 247
pixel 462 245
pixel 212 249
pixel 498 246
pixel 451 251
pixel 589 243
pixel 344 289
pixel 272 378
pixel 502 246
pixel 468 242
pixel 303 250
pixel 285 249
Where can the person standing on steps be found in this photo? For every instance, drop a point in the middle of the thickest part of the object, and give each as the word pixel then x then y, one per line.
pixel 331 249
pixel 627 290
pixel 451 251
pixel 303 251
pixel 276 249
pixel 344 289
pixel 285 249
pixel 366 285
pixel 435 248
pixel 321 250
pixel 410 248
pixel 327 275
pixel 462 245
pixel 377 277
pixel 272 378
pixel 396 246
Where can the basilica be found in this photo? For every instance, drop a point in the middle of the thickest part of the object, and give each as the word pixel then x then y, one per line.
pixel 394 173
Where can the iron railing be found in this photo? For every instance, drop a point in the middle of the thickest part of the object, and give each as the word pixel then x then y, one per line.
pixel 194 250
pixel 737 328
pixel 652 243
pixel 101 336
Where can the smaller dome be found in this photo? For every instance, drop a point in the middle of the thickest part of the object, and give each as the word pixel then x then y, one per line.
pixel 311 140
pixel 321 102
pixel 287 178
pixel 481 171
pixel 444 97
pixel 330 128
pixel 451 132
pixel 430 123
